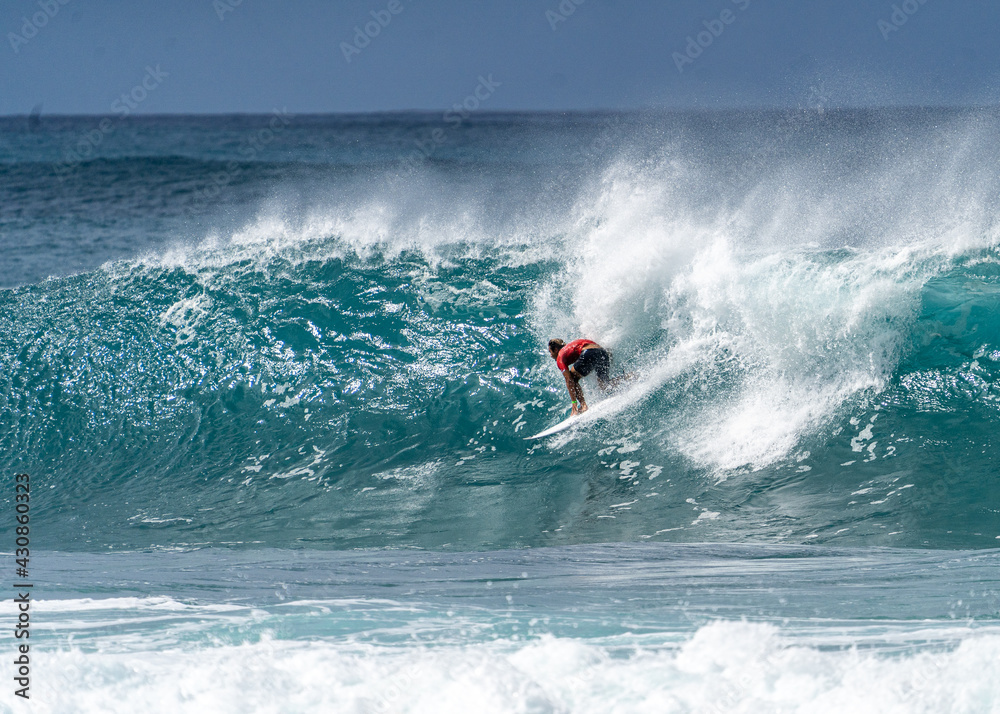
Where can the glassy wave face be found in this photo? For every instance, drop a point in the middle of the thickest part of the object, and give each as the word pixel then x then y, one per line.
pixel 337 341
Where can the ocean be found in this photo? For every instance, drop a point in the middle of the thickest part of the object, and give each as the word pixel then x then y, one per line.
pixel 268 381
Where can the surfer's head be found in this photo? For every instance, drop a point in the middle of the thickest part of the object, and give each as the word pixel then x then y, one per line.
pixel 554 346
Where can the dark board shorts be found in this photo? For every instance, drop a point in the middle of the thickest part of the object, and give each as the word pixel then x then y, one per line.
pixel 591 359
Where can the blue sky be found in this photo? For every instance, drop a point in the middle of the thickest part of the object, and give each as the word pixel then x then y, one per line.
pixel 208 56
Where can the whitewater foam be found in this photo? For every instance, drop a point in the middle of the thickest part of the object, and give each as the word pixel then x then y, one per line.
pixel 724 666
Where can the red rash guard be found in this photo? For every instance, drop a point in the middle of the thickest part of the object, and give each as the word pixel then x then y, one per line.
pixel 571 353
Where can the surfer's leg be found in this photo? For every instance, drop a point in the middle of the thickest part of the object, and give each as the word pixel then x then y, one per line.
pixel 602 366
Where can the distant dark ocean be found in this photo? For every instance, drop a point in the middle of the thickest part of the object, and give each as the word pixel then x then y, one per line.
pixel 270 377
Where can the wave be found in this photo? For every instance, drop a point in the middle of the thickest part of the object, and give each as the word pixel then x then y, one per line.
pixel 723 666
pixel 816 357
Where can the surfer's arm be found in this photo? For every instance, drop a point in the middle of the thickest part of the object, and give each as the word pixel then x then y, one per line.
pixel 575 392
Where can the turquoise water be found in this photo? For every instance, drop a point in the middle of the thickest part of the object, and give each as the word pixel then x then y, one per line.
pixel 243 382
pixel 616 627
pixel 382 402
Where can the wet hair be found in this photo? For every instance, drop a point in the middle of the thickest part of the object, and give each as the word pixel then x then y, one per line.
pixel 556 344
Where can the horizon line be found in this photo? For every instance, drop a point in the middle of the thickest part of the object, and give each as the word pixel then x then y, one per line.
pixel 496 112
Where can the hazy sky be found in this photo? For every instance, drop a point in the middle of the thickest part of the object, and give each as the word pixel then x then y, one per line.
pixel 203 56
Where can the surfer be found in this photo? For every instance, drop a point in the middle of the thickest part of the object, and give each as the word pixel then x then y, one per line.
pixel 578 359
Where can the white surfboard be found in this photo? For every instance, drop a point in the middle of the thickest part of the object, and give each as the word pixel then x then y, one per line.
pixel 604 408
pixel 561 426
